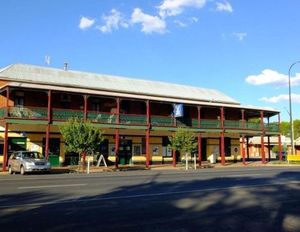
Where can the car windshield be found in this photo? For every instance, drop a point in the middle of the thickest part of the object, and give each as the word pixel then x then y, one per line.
pixel 32 155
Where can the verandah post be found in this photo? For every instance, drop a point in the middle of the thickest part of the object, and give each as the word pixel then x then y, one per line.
pixel 222 137
pixel 263 155
pixel 5 146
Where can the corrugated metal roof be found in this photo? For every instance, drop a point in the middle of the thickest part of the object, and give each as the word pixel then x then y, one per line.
pixel 84 80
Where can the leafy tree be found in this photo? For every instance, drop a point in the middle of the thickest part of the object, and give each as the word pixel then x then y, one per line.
pixel 275 148
pixel 285 128
pixel 81 137
pixel 297 128
pixel 183 141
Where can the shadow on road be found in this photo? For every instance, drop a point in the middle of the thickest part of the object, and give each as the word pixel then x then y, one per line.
pixel 219 204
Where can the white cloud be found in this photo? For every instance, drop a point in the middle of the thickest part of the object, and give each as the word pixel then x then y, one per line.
pixel 269 76
pixel 176 7
pixel 180 24
pixel 240 35
pixel 85 23
pixel 193 19
pixel 224 6
pixel 281 98
pixel 113 22
pixel 149 23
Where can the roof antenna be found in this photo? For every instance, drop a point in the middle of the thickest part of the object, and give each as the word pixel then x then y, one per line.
pixel 66 66
pixel 47 60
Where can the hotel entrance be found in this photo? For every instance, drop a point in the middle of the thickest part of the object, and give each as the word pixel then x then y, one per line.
pixel 125 152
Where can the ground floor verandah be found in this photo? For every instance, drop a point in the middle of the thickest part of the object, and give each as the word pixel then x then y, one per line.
pixel 134 146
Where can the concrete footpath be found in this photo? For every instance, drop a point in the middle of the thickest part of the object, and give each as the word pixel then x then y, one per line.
pixel 179 166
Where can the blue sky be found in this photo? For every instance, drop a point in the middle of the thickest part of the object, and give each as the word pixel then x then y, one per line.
pixel 243 48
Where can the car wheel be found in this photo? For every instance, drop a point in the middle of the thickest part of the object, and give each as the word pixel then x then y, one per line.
pixel 10 171
pixel 22 170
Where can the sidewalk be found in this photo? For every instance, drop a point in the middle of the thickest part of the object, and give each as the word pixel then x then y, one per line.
pixel 179 166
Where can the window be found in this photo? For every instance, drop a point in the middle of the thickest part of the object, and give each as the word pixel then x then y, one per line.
pixel 96 106
pixel 137 149
pixel 19 101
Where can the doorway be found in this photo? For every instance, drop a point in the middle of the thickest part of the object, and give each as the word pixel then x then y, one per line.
pixel 125 152
pixel 203 149
pixel 54 150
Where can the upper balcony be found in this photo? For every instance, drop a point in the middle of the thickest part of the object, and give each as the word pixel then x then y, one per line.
pixel 32 105
pixel 156 121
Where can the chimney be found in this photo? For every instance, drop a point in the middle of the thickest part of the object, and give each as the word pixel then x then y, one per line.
pixel 66 66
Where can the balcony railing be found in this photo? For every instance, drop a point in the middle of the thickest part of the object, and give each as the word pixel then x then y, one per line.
pixel 27 112
pixel 166 121
pixel 272 127
pixel 233 124
pixel 253 126
pixel 133 119
pixel 2 112
pixel 63 114
pixel 208 124
pixel 130 119
pixel 101 117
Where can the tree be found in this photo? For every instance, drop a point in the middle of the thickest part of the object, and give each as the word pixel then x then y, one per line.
pixel 81 137
pixel 297 128
pixel 285 128
pixel 183 141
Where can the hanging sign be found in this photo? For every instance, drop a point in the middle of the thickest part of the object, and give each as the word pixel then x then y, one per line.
pixel 178 110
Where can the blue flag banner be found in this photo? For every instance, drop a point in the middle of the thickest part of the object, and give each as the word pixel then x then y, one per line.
pixel 178 110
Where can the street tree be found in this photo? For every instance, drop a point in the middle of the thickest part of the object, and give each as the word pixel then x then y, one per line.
pixel 184 141
pixel 81 137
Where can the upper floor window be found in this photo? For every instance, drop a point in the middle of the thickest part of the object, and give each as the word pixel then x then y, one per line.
pixel 96 106
pixel 19 99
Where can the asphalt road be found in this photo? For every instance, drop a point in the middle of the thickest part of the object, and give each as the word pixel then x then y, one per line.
pixel 229 199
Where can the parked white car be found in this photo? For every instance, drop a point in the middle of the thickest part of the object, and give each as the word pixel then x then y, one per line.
pixel 27 161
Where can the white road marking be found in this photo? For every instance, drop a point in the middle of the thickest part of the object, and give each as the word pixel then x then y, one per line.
pixel 51 186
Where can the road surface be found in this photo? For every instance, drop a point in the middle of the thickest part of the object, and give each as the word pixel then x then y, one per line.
pixel 224 199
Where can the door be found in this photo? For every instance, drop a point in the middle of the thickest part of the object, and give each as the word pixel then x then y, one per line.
pixel 203 149
pixel 125 151
pixel 54 150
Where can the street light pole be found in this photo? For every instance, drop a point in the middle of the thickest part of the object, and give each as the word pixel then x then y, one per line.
pixel 290 106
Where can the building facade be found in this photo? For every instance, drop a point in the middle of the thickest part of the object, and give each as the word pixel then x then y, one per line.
pixel 136 116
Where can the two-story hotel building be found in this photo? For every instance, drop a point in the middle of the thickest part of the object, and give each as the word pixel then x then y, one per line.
pixel 136 116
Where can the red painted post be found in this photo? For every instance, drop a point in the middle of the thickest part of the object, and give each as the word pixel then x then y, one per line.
pixel 199 149
pixel 148 135
pixel 7 102
pixel 49 106
pixel 118 111
pixel 117 136
pixel 47 141
pixel 279 139
pixel 243 150
pixel 222 137
pixel 147 148
pixel 243 119
pixel 5 146
pixel 174 158
pixel 117 142
pixel 85 97
pixel 48 125
pixel 222 149
pixel 199 116
pixel 263 155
